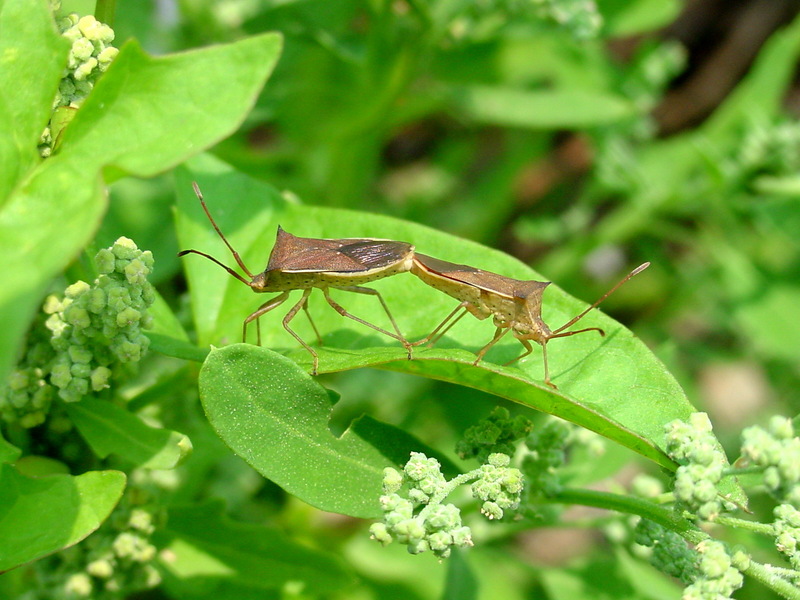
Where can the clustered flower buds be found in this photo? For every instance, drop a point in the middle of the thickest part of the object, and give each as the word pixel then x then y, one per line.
pixel 95 327
pixel 95 332
pixel 498 486
pixel 495 433
pixel 115 562
pixel 669 551
pixel 546 445
pixel 695 448
pixel 719 573
pixel 777 450
pixel 787 533
pixel 89 57
pixel 419 519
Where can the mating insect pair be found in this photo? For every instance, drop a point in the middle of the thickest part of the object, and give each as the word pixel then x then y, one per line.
pixel 307 263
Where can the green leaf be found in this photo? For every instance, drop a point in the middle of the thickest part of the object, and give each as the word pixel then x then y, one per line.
pixel 624 18
pixel 542 109
pixel 33 57
pixel 275 416
pixel 208 551
pixel 145 115
pixel 167 335
pixel 109 429
pixel 612 385
pixel 39 516
pixel 8 452
pixel 461 583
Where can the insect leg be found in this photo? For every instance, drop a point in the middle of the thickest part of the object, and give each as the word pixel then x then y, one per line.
pixel 264 308
pixel 313 326
pixel 289 316
pixel 528 350
pixel 362 290
pixel 435 335
pixel 498 335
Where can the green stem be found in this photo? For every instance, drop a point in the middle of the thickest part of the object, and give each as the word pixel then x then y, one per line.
pixel 770 577
pixel 734 471
pixel 104 11
pixel 665 517
pixel 765 528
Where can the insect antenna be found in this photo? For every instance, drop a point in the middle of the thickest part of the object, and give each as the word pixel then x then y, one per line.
pixel 235 254
pixel 211 258
pixel 557 332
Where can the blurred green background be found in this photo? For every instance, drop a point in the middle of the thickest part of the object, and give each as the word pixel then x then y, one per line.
pixel 584 139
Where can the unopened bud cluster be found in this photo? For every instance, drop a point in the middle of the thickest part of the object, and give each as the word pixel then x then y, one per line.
pixel 89 57
pixel 115 562
pixel 719 572
pixel 547 453
pixel 95 327
pixel 695 448
pixel 496 433
pixel 414 513
pixel 777 450
pixel 91 334
pixel 669 552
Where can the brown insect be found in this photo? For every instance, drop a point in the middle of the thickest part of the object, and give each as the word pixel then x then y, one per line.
pixel 297 263
pixel 515 305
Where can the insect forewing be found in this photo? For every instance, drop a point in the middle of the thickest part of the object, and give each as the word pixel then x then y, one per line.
pixel 293 254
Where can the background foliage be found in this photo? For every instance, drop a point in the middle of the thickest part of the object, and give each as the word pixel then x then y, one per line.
pixel 582 140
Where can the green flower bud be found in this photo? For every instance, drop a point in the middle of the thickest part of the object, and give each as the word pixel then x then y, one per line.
pixel 127 317
pixel 420 466
pixel 104 260
pixel 99 378
pixel 443 516
pixel 125 249
pixel 440 541
pixel 80 370
pixel 462 537
pixel 76 289
pixel 77 316
pixel 418 547
pixel 101 568
pixel 781 427
pixel 106 57
pixel 79 354
pixel 79 585
pixel 492 510
pixel 392 480
pixel 380 533
pixel 60 375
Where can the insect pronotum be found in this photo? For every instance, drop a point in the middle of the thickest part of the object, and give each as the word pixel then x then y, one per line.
pixel 515 305
pixel 297 263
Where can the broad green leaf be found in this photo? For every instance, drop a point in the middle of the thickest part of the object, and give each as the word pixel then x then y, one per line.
pixel 167 335
pixel 145 115
pixel 109 429
pixel 207 550
pixel 8 452
pixel 613 385
pixel 39 516
pixel 275 416
pixel 461 583
pixel 32 57
pixel 542 109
